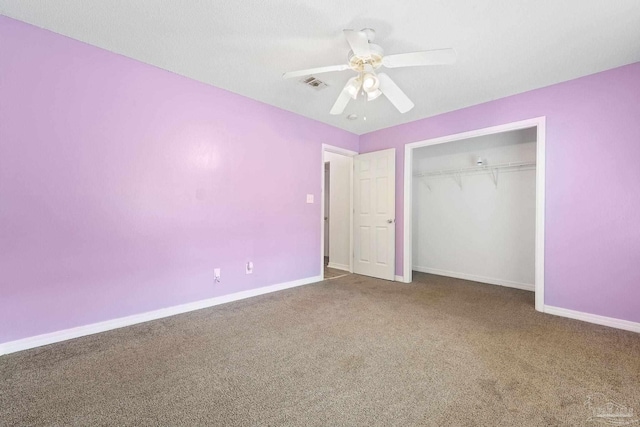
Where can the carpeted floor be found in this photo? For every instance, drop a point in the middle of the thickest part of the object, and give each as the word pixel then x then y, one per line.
pixel 332 273
pixel 350 351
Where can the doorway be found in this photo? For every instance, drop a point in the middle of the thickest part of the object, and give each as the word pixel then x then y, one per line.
pixel 414 177
pixel 337 208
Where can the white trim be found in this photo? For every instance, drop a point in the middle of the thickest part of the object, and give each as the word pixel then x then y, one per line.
pixel 338 150
pixel 400 279
pixel 540 210
pixel 474 278
pixel 540 124
pixel 339 266
pixel 593 318
pixel 348 153
pixel 94 328
pixel 407 239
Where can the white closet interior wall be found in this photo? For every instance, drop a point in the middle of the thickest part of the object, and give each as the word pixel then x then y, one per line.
pixel 469 227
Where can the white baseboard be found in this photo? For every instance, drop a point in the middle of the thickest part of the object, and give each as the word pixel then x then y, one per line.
pixel 399 279
pixel 489 280
pixel 593 318
pixel 107 325
pixel 338 266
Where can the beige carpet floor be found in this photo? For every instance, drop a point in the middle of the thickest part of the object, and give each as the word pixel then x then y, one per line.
pixel 332 273
pixel 349 351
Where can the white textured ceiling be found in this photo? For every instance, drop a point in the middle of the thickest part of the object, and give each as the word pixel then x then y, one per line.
pixel 504 46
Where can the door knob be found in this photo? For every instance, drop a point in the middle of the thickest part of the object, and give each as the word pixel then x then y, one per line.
pixel 390 221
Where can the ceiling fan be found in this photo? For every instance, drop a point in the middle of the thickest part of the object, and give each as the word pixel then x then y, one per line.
pixel 365 58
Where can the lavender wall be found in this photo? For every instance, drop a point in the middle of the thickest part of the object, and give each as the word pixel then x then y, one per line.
pixel 122 186
pixel 592 240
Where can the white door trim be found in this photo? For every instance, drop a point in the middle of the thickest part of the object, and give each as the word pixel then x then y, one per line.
pixel 539 123
pixel 350 154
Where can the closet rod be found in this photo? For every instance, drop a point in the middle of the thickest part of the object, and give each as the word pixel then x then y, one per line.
pixel 476 169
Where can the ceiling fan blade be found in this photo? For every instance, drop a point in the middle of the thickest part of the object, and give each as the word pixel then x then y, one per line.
pixel 394 93
pixel 318 70
pixel 358 42
pixel 427 57
pixel 345 95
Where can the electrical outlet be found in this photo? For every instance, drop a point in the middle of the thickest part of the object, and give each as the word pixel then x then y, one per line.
pixel 249 267
pixel 216 275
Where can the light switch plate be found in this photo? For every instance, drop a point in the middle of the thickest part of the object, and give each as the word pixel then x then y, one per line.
pixel 309 198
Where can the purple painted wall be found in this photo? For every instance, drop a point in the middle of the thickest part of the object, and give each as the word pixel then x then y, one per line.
pixel 592 258
pixel 122 186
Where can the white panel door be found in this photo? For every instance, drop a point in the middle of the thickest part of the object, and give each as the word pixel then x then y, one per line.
pixel 374 224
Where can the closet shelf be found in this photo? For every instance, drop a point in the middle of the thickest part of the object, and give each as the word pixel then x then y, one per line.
pixel 457 174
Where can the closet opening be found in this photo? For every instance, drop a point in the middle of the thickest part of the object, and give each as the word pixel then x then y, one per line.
pixel 474 207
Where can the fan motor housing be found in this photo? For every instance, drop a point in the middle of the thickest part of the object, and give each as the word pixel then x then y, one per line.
pixel 359 63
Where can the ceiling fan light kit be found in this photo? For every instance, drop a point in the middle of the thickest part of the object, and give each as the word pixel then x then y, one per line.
pixel 370 82
pixel 365 58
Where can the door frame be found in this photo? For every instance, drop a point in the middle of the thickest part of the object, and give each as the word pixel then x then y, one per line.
pixel 350 154
pixel 540 124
